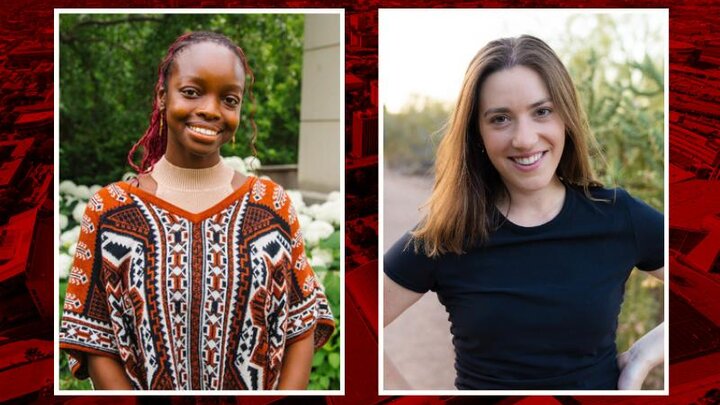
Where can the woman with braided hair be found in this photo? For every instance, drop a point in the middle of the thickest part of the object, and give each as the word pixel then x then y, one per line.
pixel 193 276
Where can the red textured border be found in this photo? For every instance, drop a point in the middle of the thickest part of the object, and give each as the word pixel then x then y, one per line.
pixel 27 33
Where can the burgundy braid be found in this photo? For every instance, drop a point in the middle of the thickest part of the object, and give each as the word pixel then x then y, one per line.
pixel 154 141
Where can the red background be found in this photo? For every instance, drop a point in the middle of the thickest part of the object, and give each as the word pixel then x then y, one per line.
pixel 26 282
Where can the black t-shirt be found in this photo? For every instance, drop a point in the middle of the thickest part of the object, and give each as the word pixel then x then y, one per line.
pixel 537 307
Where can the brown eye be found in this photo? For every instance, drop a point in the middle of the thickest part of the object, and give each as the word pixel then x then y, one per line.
pixel 499 119
pixel 232 101
pixel 543 112
pixel 189 92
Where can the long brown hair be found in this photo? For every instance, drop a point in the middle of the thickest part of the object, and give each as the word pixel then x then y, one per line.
pixel 461 209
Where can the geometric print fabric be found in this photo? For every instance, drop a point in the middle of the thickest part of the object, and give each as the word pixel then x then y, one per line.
pixel 204 301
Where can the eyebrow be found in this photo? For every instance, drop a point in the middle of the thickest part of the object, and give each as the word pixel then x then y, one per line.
pixel 505 109
pixel 200 80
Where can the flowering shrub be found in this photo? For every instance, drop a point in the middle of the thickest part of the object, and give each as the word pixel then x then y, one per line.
pixel 319 223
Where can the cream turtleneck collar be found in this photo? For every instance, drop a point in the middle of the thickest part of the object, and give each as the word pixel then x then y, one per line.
pixel 193 190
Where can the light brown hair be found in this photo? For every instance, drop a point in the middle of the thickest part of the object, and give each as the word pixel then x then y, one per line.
pixel 461 209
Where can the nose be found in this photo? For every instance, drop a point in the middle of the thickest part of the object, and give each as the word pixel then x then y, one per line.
pixel 524 135
pixel 209 109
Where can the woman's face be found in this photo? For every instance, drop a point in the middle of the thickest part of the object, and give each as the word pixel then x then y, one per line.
pixel 202 103
pixel 522 133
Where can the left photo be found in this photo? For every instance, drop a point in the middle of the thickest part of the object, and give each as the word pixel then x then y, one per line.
pixel 200 201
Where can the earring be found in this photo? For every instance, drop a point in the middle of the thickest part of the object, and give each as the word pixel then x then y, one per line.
pixel 162 118
pixel 233 140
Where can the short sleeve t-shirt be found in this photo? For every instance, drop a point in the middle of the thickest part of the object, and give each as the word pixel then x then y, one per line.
pixel 537 307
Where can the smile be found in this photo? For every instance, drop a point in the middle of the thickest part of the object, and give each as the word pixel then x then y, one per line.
pixel 203 131
pixel 528 160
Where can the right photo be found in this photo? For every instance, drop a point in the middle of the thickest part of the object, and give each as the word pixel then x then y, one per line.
pixel 523 214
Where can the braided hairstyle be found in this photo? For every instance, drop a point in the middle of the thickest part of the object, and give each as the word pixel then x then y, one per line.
pixel 154 140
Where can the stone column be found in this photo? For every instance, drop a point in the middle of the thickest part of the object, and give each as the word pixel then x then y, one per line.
pixel 319 154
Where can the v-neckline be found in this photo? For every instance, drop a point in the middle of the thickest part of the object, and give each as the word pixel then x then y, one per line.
pixel 193 217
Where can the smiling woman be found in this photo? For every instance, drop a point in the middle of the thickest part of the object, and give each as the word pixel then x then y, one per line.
pixel 202 104
pixel 526 250
pixel 193 276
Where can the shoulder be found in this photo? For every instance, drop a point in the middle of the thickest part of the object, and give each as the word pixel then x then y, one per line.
pixel 408 266
pixel 602 196
pixel 110 196
pixel 619 201
pixel 616 196
pixel 607 195
pixel 266 192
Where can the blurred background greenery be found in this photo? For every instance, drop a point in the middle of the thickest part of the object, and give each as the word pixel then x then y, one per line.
pixel 108 70
pixel 623 96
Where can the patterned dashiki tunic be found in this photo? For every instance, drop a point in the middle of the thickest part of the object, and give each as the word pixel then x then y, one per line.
pixel 204 301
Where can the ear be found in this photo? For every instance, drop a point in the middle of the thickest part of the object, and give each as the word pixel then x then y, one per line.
pixel 160 99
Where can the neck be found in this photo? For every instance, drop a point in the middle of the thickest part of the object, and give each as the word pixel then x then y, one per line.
pixel 188 160
pixel 532 208
pixel 170 176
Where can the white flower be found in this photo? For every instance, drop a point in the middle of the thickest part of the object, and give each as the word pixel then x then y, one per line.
pixel 71 249
pixel 69 237
pixel 312 210
pixel 64 265
pixel 330 211
pixel 316 231
pixel 305 220
pixel 297 199
pixel 78 211
pixel 83 192
pixel 94 189
pixel 321 257
pixel 236 163
pixel 63 221
pixel 252 163
pixel 67 187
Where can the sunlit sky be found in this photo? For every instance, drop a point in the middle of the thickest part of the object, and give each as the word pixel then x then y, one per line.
pixel 426 52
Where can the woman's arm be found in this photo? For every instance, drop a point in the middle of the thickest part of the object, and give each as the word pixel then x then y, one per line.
pixel 107 373
pixel 297 362
pixel 396 299
pixel 644 355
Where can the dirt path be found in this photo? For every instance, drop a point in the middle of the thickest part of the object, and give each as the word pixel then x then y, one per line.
pixel 419 341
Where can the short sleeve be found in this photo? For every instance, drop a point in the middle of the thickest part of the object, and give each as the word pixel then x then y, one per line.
pixel 86 326
pixel 308 307
pixel 412 270
pixel 648 227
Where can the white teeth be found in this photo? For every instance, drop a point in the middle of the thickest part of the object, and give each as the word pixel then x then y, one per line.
pixel 527 161
pixel 203 131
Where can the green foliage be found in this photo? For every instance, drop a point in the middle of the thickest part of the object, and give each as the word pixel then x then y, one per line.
pixel 67 381
pixel 408 143
pixel 333 243
pixel 108 70
pixel 325 373
pixel 623 99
